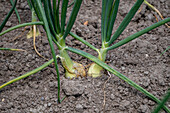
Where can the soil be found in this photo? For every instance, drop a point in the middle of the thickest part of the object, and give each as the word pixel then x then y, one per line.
pixel 140 60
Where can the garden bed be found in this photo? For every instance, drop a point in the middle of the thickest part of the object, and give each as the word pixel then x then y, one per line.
pixel 140 60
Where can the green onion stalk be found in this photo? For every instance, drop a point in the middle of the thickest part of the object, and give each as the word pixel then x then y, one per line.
pixel 109 13
pixel 73 69
pixel 33 28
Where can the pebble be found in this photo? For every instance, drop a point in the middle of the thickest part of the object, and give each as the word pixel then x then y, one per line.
pixel 49 104
pixel 11 67
pixel 79 107
pixel 8 24
pixel 29 56
pixel 42 99
pixel 123 68
pixel 45 105
pixel 146 55
pixel 146 72
pixel 112 96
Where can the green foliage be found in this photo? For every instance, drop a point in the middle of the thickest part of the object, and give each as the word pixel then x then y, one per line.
pixel 12 3
pixel 165 50
pixel 11 49
pixel 126 21
pixel 19 26
pixel 162 103
pixel 8 15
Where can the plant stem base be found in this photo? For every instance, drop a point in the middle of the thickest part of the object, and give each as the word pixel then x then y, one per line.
pixel 95 70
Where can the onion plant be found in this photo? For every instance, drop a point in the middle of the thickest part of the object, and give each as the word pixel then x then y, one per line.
pixel 56 31
pixel 109 12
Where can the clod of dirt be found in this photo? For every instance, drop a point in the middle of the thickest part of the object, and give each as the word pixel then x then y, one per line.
pixel 143 109
pixel 73 88
pixel 125 103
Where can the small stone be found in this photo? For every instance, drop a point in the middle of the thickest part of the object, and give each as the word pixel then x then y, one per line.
pixel 146 72
pixel 42 99
pixel 45 105
pixel 123 68
pixel 11 67
pixel 8 24
pixel 49 104
pixel 3 100
pixel 29 57
pixel 112 96
pixel 146 55
pixel 79 107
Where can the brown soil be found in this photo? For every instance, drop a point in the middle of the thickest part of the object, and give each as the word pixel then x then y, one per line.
pixel 139 60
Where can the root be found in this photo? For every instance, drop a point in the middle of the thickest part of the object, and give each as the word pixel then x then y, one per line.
pixel 34 38
pixel 160 16
pixel 140 9
pixel 104 92
pixel 156 10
